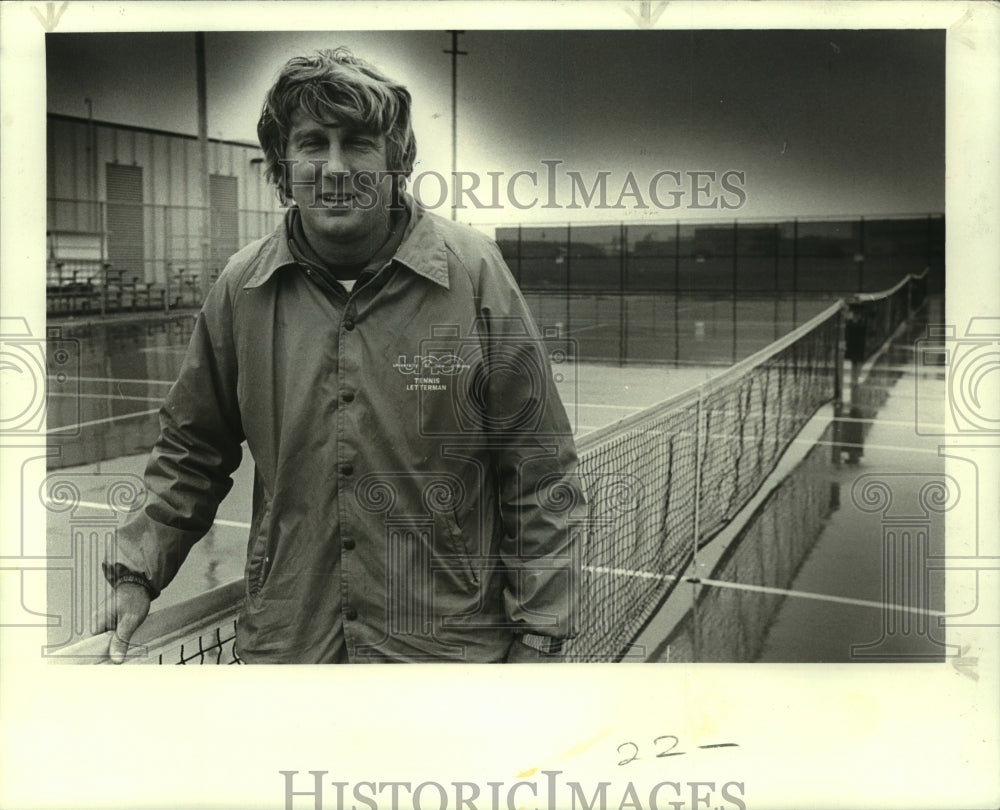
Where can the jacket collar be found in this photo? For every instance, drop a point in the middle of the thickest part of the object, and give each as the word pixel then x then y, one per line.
pixel 423 249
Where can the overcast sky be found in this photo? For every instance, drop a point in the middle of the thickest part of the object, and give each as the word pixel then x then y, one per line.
pixel 819 122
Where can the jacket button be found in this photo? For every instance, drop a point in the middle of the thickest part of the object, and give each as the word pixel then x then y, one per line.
pixel 347 469
pixel 349 544
pixel 350 614
pixel 348 396
pixel 348 325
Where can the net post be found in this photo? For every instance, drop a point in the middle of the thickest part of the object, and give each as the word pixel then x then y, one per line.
pixel 695 625
pixel 698 452
pixel 838 385
pixel 857 347
pixel 697 473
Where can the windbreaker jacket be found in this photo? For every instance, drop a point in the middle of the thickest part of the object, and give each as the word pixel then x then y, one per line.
pixel 415 485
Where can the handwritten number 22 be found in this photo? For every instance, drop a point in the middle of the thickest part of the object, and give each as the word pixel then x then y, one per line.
pixel 666 752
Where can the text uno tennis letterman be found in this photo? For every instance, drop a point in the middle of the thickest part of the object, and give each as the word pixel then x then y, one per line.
pixel 415 482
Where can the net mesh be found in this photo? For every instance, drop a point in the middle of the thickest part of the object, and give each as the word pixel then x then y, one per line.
pixel 884 312
pixel 215 646
pixel 732 624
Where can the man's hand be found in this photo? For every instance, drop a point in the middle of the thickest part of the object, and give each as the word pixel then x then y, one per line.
pixel 521 653
pixel 122 614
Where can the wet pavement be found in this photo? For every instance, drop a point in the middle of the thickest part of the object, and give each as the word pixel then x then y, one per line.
pixel 834 560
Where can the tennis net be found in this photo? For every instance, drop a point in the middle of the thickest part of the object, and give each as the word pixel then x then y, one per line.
pixel 665 481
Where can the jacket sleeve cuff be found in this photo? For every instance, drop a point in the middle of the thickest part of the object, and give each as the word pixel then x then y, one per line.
pixel 544 644
pixel 117 574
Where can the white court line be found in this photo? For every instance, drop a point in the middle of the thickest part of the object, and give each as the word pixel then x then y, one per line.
pixel 105 396
pixel 234 524
pixel 876 421
pixel 739 586
pixel 867 446
pixel 613 407
pixel 102 421
pixel 821 597
pixel 864 445
pixel 117 379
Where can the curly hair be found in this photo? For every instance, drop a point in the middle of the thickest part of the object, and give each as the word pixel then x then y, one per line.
pixel 336 86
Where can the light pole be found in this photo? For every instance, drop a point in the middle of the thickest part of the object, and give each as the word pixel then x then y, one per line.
pixel 455 53
pixel 199 52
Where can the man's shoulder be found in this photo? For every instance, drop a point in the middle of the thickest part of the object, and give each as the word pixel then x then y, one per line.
pixel 242 264
pixel 467 244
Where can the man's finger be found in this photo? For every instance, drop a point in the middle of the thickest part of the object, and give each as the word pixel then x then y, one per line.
pixel 128 623
pixel 132 611
pixel 122 635
pixel 118 648
pixel 99 619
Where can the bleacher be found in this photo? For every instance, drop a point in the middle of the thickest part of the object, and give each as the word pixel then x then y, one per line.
pixel 79 281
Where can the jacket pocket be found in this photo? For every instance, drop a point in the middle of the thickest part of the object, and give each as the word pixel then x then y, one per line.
pixel 460 546
pixel 259 555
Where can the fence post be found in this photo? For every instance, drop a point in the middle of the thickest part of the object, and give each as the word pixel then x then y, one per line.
pixel 795 272
pixel 736 240
pixel 569 250
pixel 622 307
pixel 677 291
pixel 861 255
pixel 838 360
pixel 777 278
pixel 622 258
pixel 168 238
pixel 104 270
pixel 519 277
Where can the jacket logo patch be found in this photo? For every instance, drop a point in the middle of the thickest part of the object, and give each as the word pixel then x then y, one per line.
pixel 427 370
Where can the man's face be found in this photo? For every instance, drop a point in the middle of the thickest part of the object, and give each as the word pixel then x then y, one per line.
pixel 339 181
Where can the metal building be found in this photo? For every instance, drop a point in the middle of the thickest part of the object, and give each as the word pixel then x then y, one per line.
pixel 128 222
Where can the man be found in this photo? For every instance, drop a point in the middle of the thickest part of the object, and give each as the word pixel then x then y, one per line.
pixel 415 486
